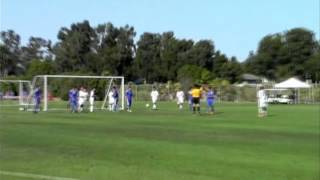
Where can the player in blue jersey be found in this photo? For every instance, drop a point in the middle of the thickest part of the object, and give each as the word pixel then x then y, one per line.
pixel 37 100
pixel 190 99
pixel 116 98
pixel 210 100
pixel 69 106
pixel 74 100
pixel 129 97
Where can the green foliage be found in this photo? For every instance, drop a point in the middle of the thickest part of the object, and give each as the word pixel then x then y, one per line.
pixel 155 57
pixel 231 70
pixel 191 72
pixel 75 46
pixel 285 55
pixel 313 67
pixel 148 57
pixel 40 67
pixel 115 48
pixel 10 63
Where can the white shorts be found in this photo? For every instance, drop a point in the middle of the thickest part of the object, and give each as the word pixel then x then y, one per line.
pixel 91 100
pixel 262 104
pixel 81 101
pixel 180 101
pixel 154 100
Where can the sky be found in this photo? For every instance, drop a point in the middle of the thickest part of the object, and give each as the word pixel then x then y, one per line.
pixel 235 26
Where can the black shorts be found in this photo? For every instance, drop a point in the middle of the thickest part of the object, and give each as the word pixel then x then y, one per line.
pixel 196 100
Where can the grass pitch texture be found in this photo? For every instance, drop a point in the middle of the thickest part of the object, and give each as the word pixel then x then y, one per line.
pixel 165 144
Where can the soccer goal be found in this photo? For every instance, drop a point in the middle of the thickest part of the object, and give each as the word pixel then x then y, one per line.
pixel 14 92
pixel 55 90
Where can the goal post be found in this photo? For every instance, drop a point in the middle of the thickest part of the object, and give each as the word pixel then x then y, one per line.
pixel 14 92
pixel 43 82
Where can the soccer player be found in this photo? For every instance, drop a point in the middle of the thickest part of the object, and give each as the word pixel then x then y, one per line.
pixel 154 97
pixel 210 100
pixel 111 100
pixel 74 100
pixel 190 99
pixel 83 95
pixel 37 100
pixel 129 96
pixel 196 95
pixel 262 102
pixel 91 99
pixel 180 99
pixel 116 98
pixel 1 95
pixel 69 106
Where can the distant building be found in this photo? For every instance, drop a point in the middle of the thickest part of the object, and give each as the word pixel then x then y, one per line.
pixel 251 80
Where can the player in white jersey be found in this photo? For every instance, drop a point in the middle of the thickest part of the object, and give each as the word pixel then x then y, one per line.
pixel 180 98
pixel 154 97
pixel 83 95
pixel 262 102
pixel 91 99
pixel 112 101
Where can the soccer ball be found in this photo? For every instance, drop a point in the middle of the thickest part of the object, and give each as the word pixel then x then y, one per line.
pixel 21 108
pixel 147 105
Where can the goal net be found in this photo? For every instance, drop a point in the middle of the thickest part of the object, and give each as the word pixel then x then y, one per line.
pixel 55 90
pixel 14 92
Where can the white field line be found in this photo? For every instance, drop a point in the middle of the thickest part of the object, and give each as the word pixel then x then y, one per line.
pixel 34 176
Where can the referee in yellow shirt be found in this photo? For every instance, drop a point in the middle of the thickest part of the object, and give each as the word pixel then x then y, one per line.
pixel 196 96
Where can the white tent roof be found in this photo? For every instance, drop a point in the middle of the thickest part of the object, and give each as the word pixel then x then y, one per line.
pixel 292 83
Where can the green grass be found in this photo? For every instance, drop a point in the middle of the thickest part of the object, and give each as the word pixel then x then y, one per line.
pixel 167 144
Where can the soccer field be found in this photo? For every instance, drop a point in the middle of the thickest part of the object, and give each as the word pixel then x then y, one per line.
pixel 165 144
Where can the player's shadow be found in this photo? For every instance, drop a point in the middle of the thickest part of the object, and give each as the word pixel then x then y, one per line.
pixel 271 115
pixel 217 113
pixel 214 114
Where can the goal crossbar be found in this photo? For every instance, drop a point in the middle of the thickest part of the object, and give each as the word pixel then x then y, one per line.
pixel 84 77
pixel 15 81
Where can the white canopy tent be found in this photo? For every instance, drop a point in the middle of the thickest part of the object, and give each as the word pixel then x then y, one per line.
pixel 296 85
pixel 292 83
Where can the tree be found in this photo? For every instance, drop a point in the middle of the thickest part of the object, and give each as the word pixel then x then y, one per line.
pixel 312 67
pixel 107 47
pixel 38 66
pixel 283 54
pixel 148 57
pixel 232 70
pixel 10 63
pixel 6 64
pixel 37 48
pixel 74 47
pixel 183 52
pixel 193 74
pixel 202 54
pixel 218 62
pixel 169 56
pixel 268 57
pixel 300 45
pixel 116 48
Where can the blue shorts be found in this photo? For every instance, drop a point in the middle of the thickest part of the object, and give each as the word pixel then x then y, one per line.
pixel 129 102
pixel 74 103
pixel 210 102
pixel 37 100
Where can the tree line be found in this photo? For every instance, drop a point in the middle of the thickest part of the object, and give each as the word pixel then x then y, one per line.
pixel 155 57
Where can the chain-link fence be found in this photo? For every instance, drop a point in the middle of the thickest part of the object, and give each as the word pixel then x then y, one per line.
pixel 230 93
